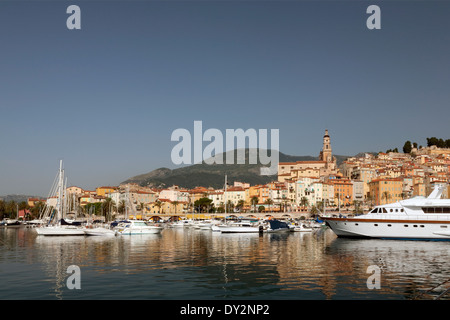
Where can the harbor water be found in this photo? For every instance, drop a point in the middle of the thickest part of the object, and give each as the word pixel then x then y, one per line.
pixel 184 263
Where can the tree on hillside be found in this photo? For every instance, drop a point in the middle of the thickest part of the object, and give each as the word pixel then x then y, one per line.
pixel 433 141
pixel 407 147
pixel 440 143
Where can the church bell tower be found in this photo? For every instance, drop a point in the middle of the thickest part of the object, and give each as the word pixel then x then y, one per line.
pixel 325 154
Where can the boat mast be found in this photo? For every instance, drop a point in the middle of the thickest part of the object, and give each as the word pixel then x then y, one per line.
pixel 225 196
pixel 60 193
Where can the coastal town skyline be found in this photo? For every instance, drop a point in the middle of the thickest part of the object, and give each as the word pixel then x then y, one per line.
pixel 301 187
pixel 95 186
pixel 107 97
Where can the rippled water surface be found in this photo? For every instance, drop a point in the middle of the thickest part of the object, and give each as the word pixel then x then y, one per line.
pixel 200 264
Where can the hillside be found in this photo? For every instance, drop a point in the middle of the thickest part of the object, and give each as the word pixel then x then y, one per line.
pixel 213 175
pixel 17 197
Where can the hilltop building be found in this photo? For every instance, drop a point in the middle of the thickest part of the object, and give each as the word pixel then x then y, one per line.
pixel 325 166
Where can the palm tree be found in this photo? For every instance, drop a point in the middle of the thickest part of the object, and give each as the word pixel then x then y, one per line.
pixel 122 206
pixel 358 205
pixel 230 205
pixel 175 203
pixel 36 210
pixel 107 208
pixel 371 199
pixel 314 211
pixel 285 203
pixel 240 204
pixel 304 202
pixel 320 205
pixel 269 202
pixel 386 195
pixel 2 209
pixel 158 203
pixel 254 201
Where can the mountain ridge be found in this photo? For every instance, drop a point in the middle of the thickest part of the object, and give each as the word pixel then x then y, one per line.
pixel 213 175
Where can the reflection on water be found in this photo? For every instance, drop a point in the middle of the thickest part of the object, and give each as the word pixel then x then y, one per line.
pixel 200 264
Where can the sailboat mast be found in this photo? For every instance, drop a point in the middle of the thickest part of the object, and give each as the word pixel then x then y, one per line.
pixel 60 192
pixel 225 196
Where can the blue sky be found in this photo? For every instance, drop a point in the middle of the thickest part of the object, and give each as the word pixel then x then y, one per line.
pixel 106 98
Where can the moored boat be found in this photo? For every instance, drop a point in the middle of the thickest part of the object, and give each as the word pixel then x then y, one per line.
pixel 56 230
pixel 239 227
pixel 133 227
pixel 12 223
pixel 56 225
pixel 278 226
pixel 303 228
pixel 99 231
pixel 417 218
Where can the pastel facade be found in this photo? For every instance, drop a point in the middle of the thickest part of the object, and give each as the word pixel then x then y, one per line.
pixel 386 190
pixel 105 191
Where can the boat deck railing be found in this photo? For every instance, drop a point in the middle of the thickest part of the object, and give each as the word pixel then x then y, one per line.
pixel 425 217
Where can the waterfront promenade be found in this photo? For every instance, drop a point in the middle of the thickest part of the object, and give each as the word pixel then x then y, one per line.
pixel 245 215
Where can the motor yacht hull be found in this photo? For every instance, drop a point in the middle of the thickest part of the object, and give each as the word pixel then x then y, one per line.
pixel 237 229
pixel 59 231
pixel 302 229
pixel 417 218
pixel 99 232
pixel 390 229
pixel 154 230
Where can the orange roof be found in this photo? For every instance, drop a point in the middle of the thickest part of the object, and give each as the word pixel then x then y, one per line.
pixel 235 189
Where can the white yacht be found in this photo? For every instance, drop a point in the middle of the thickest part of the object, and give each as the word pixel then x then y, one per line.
pixel 56 230
pixel 302 228
pixel 99 231
pixel 181 223
pixel 416 218
pixel 239 227
pixel 133 227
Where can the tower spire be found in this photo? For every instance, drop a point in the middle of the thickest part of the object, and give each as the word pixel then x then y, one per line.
pixel 326 155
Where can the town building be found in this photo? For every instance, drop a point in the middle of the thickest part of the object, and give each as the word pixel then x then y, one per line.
pixel 326 165
pixel 386 190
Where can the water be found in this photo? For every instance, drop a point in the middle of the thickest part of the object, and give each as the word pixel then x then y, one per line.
pixel 200 264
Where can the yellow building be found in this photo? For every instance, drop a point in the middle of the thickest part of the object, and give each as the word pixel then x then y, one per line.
pixel 105 191
pixel 343 191
pixel 262 192
pixel 198 193
pixel 165 206
pixel 386 190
